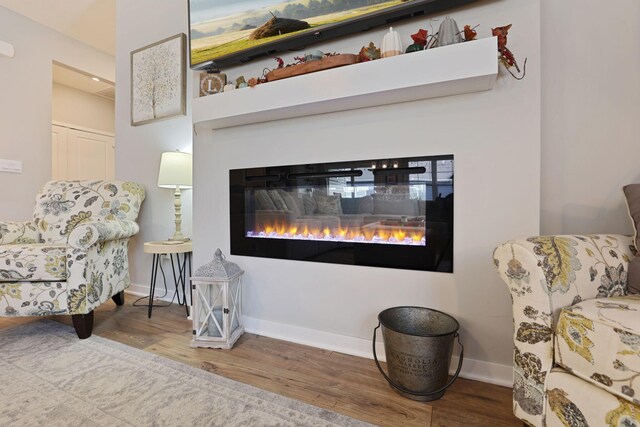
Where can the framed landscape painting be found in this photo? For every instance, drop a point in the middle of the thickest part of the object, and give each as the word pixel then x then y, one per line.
pixel 158 80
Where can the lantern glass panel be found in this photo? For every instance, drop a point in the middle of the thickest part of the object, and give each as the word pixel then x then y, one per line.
pixel 215 321
pixel 210 313
pixel 234 305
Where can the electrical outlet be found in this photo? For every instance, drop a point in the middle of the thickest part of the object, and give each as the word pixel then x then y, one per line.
pixel 13 166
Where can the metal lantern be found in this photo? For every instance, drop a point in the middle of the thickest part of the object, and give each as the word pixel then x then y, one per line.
pixel 216 289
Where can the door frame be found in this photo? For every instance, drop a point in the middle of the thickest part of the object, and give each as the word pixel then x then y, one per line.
pixel 82 128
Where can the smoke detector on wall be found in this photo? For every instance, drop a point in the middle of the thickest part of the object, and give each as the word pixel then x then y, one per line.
pixel 6 49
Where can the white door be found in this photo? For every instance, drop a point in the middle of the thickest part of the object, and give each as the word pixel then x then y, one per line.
pixel 58 152
pixel 83 155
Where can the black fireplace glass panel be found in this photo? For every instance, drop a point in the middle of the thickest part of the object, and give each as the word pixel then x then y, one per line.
pixel 394 213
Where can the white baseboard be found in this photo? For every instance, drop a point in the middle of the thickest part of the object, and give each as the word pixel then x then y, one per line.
pixel 488 372
pixel 137 290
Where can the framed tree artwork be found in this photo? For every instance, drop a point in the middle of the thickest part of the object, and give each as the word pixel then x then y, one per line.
pixel 158 81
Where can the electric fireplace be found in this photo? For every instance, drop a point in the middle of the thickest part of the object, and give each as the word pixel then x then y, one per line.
pixel 394 213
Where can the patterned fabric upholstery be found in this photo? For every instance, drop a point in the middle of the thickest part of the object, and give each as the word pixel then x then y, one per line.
pixel 33 298
pixel 18 232
pixel 599 341
pixel 545 274
pixel 33 262
pixel 74 255
pixel 62 205
pixel 575 402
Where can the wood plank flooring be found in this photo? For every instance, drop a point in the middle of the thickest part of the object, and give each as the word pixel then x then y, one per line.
pixel 346 384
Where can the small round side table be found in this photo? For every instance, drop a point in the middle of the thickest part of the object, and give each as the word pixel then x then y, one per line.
pixel 179 276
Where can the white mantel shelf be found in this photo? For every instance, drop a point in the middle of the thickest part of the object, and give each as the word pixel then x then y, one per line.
pixel 451 70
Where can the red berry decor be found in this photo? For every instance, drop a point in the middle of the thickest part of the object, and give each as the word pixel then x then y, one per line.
pixel 506 57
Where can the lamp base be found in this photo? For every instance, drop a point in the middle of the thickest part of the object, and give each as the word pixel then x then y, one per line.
pixel 177 237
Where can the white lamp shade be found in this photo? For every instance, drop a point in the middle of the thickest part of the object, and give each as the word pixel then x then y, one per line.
pixel 175 170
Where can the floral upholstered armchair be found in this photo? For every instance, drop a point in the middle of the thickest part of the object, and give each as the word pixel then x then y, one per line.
pixel 73 255
pixel 576 331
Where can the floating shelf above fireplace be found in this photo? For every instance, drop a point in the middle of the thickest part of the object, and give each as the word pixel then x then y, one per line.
pixel 450 70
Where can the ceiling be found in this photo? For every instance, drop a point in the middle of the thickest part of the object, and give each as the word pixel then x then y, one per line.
pixel 80 80
pixel 93 22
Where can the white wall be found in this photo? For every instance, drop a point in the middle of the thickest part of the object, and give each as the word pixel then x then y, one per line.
pixel 75 107
pixel 495 138
pixel 590 114
pixel 138 148
pixel 589 149
pixel 25 104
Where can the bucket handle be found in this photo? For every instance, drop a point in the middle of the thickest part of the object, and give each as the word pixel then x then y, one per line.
pixel 418 393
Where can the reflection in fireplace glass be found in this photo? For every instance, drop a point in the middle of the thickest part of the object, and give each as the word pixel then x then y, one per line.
pixel 386 212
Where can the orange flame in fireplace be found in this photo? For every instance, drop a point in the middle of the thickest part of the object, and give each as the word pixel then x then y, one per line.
pixel 376 232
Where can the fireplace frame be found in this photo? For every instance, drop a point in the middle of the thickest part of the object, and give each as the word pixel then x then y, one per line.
pixel 437 257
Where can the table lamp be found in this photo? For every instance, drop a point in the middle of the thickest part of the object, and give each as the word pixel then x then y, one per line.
pixel 175 173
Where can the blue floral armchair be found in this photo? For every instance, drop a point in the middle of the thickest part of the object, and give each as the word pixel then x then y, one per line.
pixel 73 255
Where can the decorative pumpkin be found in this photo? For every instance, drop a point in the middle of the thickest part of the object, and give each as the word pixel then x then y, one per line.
pixel 241 82
pixel 229 87
pixel 414 48
pixel 419 41
pixel 448 33
pixel 391 44
pixel 314 55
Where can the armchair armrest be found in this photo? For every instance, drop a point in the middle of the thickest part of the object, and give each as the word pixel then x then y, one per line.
pixel 89 233
pixel 545 274
pixel 16 232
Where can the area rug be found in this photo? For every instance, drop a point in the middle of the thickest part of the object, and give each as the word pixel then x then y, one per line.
pixel 50 377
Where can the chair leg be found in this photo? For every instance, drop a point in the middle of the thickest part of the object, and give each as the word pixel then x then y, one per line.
pixel 118 298
pixel 83 324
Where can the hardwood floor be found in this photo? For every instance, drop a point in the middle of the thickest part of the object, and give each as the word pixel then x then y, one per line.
pixel 346 384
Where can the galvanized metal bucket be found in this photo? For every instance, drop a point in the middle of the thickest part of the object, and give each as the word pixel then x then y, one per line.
pixel 418 343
